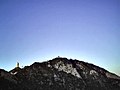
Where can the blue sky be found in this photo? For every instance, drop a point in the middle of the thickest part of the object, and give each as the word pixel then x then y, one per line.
pixel 39 30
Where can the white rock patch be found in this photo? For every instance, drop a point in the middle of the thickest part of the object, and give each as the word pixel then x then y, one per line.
pixel 49 65
pixel 110 75
pixel 14 73
pixel 93 72
pixel 68 68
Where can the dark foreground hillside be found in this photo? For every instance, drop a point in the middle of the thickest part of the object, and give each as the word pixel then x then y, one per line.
pixel 59 74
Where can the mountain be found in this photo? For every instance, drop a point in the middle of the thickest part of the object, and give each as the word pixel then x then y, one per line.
pixel 59 74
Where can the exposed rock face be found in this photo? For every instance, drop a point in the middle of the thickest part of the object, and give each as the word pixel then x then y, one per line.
pixel 59 74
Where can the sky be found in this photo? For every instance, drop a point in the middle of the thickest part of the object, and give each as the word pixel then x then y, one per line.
pixel 40 30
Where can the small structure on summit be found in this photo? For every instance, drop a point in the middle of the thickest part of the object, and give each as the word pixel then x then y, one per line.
pixel 58 57
pixel 17 65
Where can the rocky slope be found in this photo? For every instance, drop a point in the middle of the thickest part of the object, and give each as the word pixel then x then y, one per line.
pixel 59 74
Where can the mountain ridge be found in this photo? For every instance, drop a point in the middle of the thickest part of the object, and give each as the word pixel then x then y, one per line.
pixel 60 73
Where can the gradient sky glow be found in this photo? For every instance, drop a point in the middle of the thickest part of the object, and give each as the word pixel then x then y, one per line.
pixel 39 30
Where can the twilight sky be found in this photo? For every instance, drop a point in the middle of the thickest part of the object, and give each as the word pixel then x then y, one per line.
pixel 39 30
